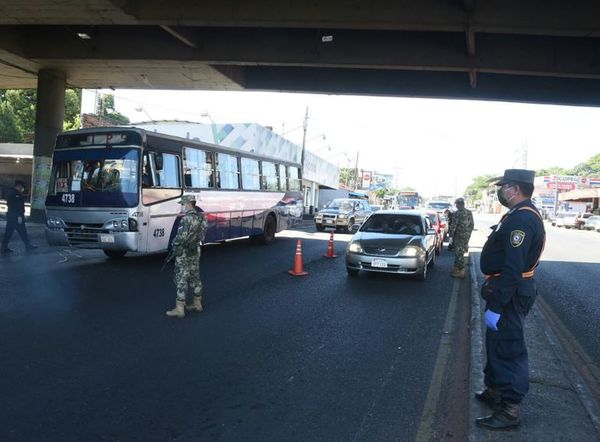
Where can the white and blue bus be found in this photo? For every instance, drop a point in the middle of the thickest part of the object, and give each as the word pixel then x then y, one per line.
pixel 117 189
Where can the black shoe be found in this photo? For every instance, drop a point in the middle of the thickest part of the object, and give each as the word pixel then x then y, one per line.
pixel 30 247
pixel 489 396
pixel 505 417
pixel 6 251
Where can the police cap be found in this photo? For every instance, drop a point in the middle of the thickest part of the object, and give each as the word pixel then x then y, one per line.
pixel 516 175
pixel 187 199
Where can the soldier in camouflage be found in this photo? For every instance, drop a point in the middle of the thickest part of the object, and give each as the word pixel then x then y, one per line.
pixel 186 250
pixel 460 233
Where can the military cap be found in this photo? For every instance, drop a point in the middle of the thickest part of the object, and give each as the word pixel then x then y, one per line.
pixel 516 176
pixel 187 199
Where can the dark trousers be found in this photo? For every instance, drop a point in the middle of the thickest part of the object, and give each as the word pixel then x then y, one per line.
pixel 507 361
pixel 12 224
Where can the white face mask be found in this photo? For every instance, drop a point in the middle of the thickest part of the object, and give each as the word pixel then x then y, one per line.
pixel 182 208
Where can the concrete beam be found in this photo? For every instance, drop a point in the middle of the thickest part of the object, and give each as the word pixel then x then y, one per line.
pixel 437 51
pixel 495 87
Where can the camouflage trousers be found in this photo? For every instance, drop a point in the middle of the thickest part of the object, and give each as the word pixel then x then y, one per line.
pixel 460 248
pixel 187 274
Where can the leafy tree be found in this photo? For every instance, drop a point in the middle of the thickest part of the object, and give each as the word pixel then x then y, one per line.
pixel 72 109
pixel 9 129
pixel 347 176
pixel 474 191
pixel 553 171
pixel 106 109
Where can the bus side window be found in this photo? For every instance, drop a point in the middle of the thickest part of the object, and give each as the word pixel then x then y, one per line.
pixel 283 183
pixel 269 175
pixel 250 174
pixel 294 178
pixel 228 173
pixel 199 170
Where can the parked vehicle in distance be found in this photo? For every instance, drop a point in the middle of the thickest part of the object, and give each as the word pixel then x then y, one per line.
pixel 439 206
pixel 393 241
pixel 569 221
pixel 581 219
pixel 593 223
pixel 342 213
pixel 436 223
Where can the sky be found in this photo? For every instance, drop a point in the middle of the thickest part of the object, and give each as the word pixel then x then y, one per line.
pixel 435 146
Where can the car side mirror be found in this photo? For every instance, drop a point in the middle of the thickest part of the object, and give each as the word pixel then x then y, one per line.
pixel 355 228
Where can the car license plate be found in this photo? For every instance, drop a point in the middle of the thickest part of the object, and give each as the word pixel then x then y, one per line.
pixel 380 263
pixel 329 221
pixel 107 238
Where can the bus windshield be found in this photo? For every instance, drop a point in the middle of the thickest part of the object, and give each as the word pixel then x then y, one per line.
pixel 106 177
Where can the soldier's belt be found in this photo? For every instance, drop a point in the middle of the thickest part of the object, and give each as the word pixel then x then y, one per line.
pixel 524 275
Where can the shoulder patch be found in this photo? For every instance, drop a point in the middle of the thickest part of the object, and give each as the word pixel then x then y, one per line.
pixel 516 238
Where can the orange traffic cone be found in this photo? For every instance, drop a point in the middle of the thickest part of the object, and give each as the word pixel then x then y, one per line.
pixel 330 253
pixel 298 269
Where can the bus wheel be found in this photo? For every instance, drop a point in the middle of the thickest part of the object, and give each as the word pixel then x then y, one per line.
pixel 114 254
pixel 270 229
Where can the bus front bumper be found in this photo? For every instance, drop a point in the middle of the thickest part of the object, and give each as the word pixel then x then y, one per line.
pixel 124 241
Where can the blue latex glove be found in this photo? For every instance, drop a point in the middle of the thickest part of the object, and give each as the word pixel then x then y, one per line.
pixel 491 319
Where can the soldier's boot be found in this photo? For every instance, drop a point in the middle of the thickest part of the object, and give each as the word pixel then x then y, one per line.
pixel 489 396
pixel 196 305
pixel 178 311
pixel 506 416
pixel 458 273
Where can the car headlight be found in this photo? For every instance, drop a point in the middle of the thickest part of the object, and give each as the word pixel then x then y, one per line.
pixel 355 247
pixel 410 251
pixel 342 216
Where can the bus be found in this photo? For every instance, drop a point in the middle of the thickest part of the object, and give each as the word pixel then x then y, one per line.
pixel 408 199
pixel 117 189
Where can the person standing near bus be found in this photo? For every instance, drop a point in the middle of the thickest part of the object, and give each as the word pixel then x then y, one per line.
pixel 186 249
pixel 15 217
pixel 461 228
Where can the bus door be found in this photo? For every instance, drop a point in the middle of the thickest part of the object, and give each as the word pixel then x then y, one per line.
pixel 161 191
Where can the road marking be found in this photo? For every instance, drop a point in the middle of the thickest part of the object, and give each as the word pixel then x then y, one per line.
pixel 433 395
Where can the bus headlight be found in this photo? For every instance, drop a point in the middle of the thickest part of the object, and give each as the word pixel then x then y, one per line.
pixel 55 223
pixel 117 224
pixel 132 225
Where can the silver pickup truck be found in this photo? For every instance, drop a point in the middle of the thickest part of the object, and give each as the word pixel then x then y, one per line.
pixel 342 213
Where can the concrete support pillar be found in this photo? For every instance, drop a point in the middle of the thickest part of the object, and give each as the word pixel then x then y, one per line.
pixel 49 116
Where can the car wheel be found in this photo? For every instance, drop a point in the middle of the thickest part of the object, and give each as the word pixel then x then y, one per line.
pixel 352 272
pixel 349 226
pixel 422 275
pixel 320 227
pixel 114 254
pixel 432 262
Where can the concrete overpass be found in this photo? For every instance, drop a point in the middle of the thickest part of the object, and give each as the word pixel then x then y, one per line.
pixel 544 51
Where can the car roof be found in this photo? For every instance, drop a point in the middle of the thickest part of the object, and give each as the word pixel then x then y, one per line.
pixel 399 212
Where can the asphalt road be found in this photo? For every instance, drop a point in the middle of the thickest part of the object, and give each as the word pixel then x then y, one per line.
pixel 568 280
pixel 88 353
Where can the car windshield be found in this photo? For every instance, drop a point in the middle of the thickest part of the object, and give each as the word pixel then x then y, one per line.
pixel 94 177
pixel 439 205
pixel 342 205
pixel 392 224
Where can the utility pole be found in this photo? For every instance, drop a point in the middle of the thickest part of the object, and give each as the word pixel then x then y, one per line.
pixel 304 127
pixel 356 172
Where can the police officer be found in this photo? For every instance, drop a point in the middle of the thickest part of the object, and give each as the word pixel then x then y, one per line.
pixel 15 217
pixel 508 260
pixel 460 233
pixel 186 249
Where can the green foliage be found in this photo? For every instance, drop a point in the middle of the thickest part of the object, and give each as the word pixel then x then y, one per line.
pixel 9 130
pixel 23 105
pixel 347 177
pixel 107 109
pixel 590 167
pixel 475 190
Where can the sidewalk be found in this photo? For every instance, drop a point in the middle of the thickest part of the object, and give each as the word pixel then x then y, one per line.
pixel 559 407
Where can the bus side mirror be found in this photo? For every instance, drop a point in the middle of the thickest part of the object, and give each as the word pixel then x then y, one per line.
pixel 158 161
pixel 355 228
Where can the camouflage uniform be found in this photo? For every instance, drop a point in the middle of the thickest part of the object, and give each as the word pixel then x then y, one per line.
pixel 186 248
pixel 460 232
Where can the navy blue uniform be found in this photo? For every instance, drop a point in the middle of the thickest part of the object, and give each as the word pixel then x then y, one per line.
pixel 15 218
pixel 508 258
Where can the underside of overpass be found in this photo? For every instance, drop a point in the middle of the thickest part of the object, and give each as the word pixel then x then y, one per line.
pixel 544 51
pixel 519 50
